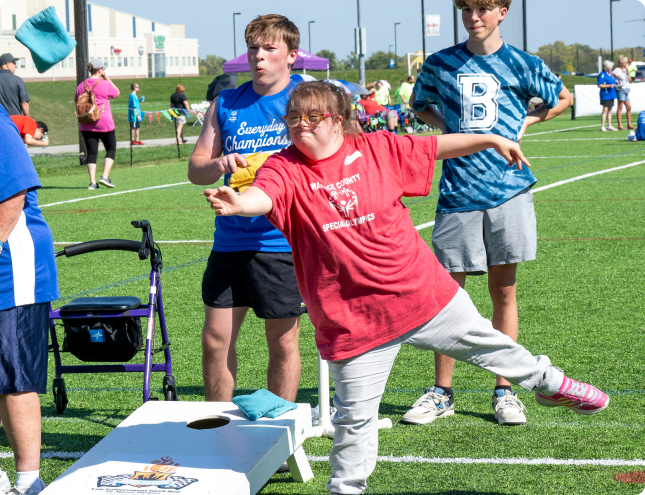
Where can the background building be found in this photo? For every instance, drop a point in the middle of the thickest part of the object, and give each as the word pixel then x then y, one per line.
pixel 130 46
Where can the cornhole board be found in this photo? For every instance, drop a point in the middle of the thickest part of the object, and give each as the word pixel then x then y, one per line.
pixel 154 452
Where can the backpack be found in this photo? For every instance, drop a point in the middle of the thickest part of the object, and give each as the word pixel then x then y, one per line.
pixel 86 110
pixel 640 127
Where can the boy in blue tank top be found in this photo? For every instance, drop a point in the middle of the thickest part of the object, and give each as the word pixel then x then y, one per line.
pixel 251 265
pixel 485 218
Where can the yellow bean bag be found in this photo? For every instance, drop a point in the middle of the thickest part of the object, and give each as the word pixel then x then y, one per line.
pixel 243 178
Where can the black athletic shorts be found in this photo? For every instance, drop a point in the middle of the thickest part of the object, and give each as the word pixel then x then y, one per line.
pixel 263 281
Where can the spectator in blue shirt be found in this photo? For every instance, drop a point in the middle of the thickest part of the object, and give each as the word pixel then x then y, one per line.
pixel 607 85
pixel 28 282
pixel 134 114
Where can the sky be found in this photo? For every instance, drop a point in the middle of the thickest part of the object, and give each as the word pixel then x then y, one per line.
pixel 571 21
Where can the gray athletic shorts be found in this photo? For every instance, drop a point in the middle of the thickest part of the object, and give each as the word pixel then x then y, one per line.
pixel 471 241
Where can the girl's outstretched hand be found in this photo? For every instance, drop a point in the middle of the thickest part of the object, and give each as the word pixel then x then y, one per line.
pixel 511 152
pixel 224 200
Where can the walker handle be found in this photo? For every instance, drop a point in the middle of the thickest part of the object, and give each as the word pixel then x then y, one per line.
pixel 101 245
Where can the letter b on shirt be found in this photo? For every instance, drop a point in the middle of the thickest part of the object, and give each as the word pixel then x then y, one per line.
pixel 479 108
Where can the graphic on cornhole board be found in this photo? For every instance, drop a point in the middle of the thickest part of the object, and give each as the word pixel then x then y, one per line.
pixel 154 452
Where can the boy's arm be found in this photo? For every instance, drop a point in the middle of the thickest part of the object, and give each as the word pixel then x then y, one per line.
pixel 251 203
pixel 542 114
pixel 31 141
pixel 430 115
pixel 457 145
pixel 206 165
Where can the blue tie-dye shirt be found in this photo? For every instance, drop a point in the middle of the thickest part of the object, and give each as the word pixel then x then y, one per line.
pixel 483 94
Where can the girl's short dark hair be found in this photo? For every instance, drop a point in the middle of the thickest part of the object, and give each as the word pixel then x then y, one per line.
pixel 324 97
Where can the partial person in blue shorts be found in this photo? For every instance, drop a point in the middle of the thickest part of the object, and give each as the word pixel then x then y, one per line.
pixel 251 265
pixel 28 282
pixel 485 218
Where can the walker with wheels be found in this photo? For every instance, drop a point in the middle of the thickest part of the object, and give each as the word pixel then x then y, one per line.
pixel 108 329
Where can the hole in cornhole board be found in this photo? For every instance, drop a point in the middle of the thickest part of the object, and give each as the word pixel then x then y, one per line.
pixel 208 423
pixel 633 477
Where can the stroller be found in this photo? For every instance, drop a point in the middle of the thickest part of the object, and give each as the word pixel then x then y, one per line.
pixel 108 329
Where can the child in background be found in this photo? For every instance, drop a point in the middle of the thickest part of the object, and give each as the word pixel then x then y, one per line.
pixel 134 114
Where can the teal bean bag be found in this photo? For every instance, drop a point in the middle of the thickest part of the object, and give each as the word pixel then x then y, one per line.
pixel 46 38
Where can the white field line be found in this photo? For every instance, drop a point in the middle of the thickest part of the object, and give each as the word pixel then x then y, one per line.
pixel 549 461
pixel 556 184
pixel 581 177
pixel 518 461
pixel 580 156
pixel 114 194
pixel 561 130
pixel 563 140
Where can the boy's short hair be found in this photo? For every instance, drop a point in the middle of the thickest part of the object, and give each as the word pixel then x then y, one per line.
pixel 273 28
pixel 133 85
pixel 42 125
pixel 483 4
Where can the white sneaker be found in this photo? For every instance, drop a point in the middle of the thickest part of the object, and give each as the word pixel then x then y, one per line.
pixel 27 491
pixel 603 128
pixel 430 406
pixel 508 408
pixel 611 128
pixel 5 484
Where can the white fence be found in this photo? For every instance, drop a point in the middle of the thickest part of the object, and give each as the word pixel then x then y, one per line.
pixel 588 99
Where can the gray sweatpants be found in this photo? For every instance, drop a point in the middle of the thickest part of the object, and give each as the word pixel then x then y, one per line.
pixel 458 331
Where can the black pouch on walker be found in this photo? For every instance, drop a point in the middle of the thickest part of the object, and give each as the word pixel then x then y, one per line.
pixel 107 340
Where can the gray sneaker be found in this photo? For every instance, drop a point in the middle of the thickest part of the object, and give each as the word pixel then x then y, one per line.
pixel 431 405
pixel 106 181
pixel 27 491
pixel 508 408
pixel 93 186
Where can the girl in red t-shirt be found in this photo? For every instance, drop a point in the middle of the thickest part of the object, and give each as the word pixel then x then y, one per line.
pixel 369 281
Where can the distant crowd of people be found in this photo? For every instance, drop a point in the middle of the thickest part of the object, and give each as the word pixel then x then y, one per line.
pixel 615 84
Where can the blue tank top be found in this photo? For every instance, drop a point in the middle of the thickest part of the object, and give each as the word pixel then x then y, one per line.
pixel 249 124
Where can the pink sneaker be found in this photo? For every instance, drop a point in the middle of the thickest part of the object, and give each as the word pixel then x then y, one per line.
pixel 580 397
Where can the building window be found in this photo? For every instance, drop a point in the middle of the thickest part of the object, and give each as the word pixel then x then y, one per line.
pixel 125 61
pixel 177 61
pixel 13 22
pixel 170 61
pixel 105 61
pixel 66 17
pixel 194 61
pixel 33 64
pixel 140 62
pixel 134 27
pixel 64 63
pixel 118 61
pixel 89 16
pixel 71 62
pixel 22 63
pixel 183 61
pixel 111 61
pixel 153 27
pixel 131 61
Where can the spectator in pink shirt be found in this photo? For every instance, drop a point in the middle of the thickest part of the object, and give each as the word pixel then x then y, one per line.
pixel 103 89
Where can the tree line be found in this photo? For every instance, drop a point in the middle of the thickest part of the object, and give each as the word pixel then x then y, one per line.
pixel 558 56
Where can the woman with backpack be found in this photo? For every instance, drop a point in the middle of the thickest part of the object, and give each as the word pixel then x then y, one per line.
pixel 95 119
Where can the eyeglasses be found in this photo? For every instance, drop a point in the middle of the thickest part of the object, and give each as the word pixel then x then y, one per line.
pixel 312 120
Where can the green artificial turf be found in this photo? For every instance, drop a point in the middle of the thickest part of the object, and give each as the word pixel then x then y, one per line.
pixel 580 303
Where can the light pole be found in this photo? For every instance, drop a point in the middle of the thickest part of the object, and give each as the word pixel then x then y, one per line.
pixel 423 29
pixel 361 55
pixel 309 26
pixel 611 25
pixel 396 58
pixel 234 47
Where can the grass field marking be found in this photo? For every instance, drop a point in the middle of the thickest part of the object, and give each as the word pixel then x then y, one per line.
pixel 548 461
pixel 580 156
pixel 585 176
pixel 561 130
pixel 114 194
pixel 573 139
